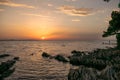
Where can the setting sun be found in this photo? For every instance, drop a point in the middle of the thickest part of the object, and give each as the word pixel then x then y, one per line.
pixel 43 38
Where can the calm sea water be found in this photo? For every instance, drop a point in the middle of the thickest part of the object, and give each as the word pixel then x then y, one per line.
pixel 35 67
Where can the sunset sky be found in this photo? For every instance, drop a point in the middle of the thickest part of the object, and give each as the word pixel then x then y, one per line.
pixel 55 19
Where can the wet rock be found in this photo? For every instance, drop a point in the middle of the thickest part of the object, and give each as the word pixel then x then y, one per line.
pixel 44 54
pixel 61 58
pixel 6 65
pixel 77 53
pixel 6 69
pixel 4 55
pixel 7 73
pixel 16 58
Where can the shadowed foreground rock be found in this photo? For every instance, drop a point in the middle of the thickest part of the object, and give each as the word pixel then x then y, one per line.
pixel 98 59
pixel 77 53
pixel 85 73
pixel 6 68
pixel 100 64
pixel 82 73
pixel 4 55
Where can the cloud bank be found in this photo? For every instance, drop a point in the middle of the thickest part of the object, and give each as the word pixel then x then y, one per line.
pixel 12 4
pixel 70 10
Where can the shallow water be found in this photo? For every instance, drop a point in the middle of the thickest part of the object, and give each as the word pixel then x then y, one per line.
pixel 34 67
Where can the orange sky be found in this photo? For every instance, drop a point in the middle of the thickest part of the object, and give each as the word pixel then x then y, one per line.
pixel 54 19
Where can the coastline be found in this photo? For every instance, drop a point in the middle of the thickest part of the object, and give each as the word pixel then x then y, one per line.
pixel 99 64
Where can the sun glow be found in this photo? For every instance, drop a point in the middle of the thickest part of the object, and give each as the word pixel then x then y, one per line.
pixel 43 38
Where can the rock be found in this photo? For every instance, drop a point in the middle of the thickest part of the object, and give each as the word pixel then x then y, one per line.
pixel 75 60
pixel 7 73
pixel 111 73
pixel 6 66
pixel 57 57
pixel 82 73
pixel 88 62
pixel 4 55
pixel 16 58
pixel 32 54
pixel 61 58
pixel 44 54
pixel 77 53
pixel 101 64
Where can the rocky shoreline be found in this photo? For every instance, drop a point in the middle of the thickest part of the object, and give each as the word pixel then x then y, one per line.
pixel 6 68
pixel 100 64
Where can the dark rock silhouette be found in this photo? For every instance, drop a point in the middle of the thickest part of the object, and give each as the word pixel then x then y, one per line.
pixel 44 54
pixel 61 58
pixel 100 64
pixel 84 73
pixel 5 69
pixel 57 57
pixel 77 53
pixel 4 55
pixel 16 58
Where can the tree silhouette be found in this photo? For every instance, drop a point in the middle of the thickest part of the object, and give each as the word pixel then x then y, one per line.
pixel 114 26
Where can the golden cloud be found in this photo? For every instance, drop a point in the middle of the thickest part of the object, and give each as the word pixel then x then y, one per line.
pixel 12 4
pixel 75 20
pixel 70 10
pixel 36 15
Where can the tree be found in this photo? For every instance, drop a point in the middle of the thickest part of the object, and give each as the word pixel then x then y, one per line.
pixel 114 26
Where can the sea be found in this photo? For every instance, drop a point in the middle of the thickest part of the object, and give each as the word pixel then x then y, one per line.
pixel 32 66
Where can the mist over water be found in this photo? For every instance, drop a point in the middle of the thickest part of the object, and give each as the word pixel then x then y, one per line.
pixel 32 66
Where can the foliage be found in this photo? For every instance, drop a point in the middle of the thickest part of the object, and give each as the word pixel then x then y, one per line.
pixel 114 24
